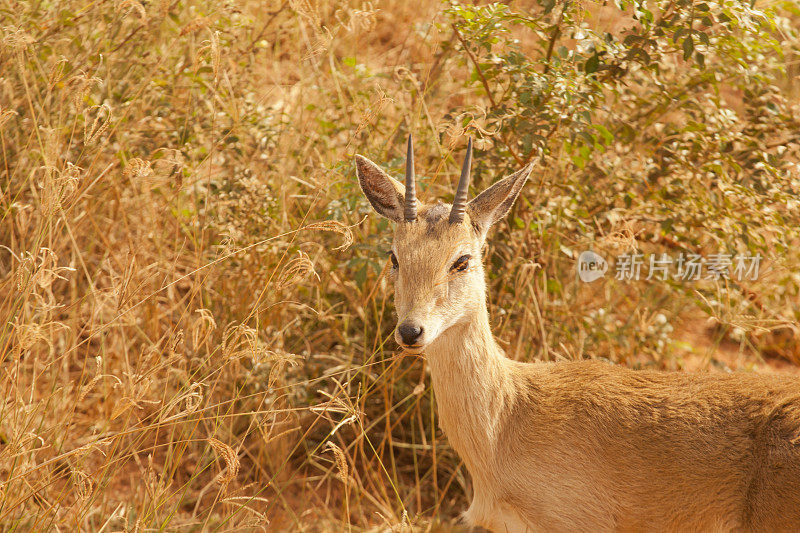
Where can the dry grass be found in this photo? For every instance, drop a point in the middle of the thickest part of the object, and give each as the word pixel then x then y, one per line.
pixel 196 330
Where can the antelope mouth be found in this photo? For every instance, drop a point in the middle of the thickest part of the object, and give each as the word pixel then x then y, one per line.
pixel 414 349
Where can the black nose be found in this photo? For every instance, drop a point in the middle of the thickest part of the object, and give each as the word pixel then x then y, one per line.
pixel 409 333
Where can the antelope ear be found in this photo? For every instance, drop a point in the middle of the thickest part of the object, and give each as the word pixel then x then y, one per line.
pixel 494 203
pixel 386 194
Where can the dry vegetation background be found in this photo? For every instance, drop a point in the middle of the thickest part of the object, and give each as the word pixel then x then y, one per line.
pixel 195 331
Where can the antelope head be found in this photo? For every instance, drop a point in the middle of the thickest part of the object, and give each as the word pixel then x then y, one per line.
pixel 436 253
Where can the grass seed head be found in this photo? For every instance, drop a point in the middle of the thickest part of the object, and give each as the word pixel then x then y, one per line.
pixel 126 7
pixel 231 459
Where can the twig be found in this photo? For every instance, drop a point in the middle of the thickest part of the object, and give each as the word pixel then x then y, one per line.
pixel 477 66
pixel 273 15
pixel 128 38
pixel 486 88
pixel 553 38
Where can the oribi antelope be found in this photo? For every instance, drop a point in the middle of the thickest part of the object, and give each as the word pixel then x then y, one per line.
pixel 586 445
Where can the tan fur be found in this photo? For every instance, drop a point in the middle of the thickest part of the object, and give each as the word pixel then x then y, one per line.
pixel 586 446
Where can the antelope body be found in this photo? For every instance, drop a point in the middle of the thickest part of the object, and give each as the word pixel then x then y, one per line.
pixel 578 446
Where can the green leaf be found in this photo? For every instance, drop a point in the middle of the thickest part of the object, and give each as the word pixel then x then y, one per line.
pixel 607 136
pixel 631 39
pixel 701 60
pixel 640 53
pixel 680 32
pixel 688 48
pixel 361 276
pixel 588 138
pixel 578 161
pixel 553 286
pixel 591 64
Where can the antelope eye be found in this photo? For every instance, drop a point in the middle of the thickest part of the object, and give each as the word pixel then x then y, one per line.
pixel 393 258
pixel 461 264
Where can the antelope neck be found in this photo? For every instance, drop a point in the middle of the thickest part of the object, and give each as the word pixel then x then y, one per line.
pixel 472 385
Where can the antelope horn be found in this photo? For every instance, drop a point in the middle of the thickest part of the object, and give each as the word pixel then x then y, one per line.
pixel 410 211
pixel 460 200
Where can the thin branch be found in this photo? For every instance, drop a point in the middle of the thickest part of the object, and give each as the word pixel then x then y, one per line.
pixel 553 38
pixel 273 16
pixel 477 66
pixel 485 83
